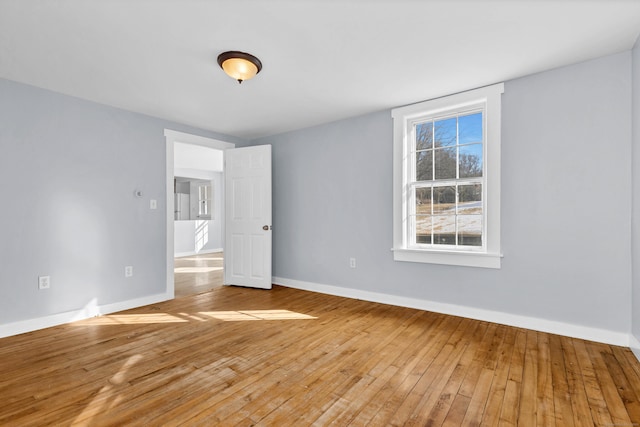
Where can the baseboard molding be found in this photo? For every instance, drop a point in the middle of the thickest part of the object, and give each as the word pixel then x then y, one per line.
pixel 537 324
pixel 208 251
pixel 634 345
pixel 543 325
pixel 91 310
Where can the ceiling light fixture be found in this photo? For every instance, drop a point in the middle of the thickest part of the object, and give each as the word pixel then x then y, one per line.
pixel 239 65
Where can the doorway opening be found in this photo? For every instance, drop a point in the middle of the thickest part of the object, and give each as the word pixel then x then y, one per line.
pixel 195 213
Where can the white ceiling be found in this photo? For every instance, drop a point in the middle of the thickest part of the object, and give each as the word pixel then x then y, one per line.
pixel 324 60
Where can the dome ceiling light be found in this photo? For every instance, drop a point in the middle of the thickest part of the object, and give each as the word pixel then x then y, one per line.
pixel 239 65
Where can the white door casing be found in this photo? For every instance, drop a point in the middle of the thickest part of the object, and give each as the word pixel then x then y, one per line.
pixel 247 260
pixel 172 137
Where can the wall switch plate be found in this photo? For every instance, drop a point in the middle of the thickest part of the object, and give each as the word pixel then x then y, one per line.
pixel 44 282
pixel 352 262
pixel 128 271
pixel 153 204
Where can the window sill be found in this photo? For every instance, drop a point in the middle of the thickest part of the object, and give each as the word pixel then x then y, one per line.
pixel 466 259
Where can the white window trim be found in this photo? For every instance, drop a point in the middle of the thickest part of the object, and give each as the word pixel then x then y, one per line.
pixel 491 256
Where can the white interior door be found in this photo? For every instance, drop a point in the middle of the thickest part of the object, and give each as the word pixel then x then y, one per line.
pixel 247 253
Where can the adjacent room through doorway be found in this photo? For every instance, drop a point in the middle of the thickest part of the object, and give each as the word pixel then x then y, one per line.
pixel 196 218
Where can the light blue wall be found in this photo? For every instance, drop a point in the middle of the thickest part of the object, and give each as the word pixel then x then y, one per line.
pixel 68 171
pixel 636 200
pixel 69 168
pixel 566 185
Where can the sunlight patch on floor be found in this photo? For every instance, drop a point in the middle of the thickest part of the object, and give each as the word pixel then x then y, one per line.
pixel 202 316
pixel 233 316
pixel 196 269
pixel 132 319
pixel 201 259
pixel 194 317
pixel 108 396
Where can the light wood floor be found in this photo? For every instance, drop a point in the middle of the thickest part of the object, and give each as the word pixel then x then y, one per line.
pixel 198 273
pixel 285 357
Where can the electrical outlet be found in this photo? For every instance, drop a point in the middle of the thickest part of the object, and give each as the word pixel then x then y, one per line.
pixel 128 271
pixel 44 282
pixel 352 262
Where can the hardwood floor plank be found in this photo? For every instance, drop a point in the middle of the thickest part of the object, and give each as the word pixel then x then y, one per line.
pixel 349 372
pixel 545 407
pixel 499 384
pixel 447 395
pixel 629 369
pixel 511 404
pixel 404 364
pixel 476 409
pixel 621 381
pixel 218 358
pixel 529 396
pixel 597 404
pixel 575 385
pixel 325 363
pixel 470 380
pixel 615 406
pixel 451 374
pixel 561 394
pixel 423 375
pixel 410 372
pixel 457 412
pixel 380 374
pixel 309 416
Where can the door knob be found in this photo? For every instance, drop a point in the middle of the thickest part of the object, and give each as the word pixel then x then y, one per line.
pixel 265 227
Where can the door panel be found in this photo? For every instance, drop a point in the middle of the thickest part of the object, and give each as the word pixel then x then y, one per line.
pixel 248 213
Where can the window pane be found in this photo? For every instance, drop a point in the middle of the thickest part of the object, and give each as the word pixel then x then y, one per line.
pixel 423 201
pixel 424 165
pixel 470 160
pixel 445 132
pixel 470 230
pixel 423 229
pixel 424 136
pixel 445 162
pixel 204 192
pixel 470 128
pixel 470 199
pixel 444 230
pixel 444 200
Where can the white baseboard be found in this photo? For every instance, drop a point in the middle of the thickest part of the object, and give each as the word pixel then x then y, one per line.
pixel 90 310
pixel 634 345
pixel 537 324
pixel 543 325
pixel 208 251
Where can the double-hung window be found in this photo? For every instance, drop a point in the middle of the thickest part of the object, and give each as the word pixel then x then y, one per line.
pixel 447 180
